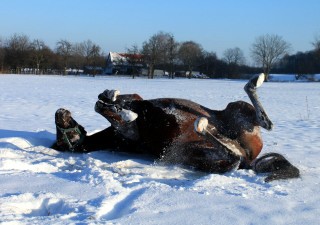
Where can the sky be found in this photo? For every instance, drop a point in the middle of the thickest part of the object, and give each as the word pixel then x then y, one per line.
pixel 116 25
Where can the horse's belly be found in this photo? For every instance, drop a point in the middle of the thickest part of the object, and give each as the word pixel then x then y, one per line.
pixel 186 113
pixel 164 122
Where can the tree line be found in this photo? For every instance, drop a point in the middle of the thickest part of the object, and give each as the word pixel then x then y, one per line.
pixel 160 51
pixel 18 53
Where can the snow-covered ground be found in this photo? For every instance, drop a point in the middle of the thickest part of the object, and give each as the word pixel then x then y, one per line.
pixel 39 185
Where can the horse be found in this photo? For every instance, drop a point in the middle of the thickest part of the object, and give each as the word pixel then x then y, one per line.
pixel 179 131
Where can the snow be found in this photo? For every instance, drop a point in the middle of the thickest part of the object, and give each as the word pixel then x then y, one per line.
pixel 292 78
pixel 42 186
pixel 128 115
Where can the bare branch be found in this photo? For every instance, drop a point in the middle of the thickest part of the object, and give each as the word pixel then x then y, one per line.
pixel 267 50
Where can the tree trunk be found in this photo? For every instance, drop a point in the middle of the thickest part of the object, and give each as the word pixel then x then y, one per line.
pixel 171 75
pixel 268 68
pixel 151 72
pixel 267 77
pixel 38 66
pixel 190 73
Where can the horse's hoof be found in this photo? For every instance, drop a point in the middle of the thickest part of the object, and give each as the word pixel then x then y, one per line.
pixel 63 118
pixel 200 125
pixel 275 164
pixel 111 94
pixel 258 81
pixel 255 82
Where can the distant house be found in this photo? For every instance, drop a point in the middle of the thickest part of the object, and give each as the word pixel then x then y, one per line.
pixel 122 63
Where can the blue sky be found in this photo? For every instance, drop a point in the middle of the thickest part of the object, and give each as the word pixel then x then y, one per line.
pixel 118 24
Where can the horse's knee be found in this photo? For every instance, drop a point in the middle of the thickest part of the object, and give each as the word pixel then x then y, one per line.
pixel 240 108
pixel 236 118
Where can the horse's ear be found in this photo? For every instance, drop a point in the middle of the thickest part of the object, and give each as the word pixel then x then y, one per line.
pixel 277 165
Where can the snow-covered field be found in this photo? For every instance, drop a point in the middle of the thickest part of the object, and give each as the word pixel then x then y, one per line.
pixel 39 185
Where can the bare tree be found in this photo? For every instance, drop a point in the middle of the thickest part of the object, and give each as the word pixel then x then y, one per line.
pixel 133 59
pixel 39 52
pixel 316 43
pixel 189 53
pixel 172 53
pixel 234 56
pixel 2 54
pixel 88 53
pixel 210 63
pixel 164 39
pixel 267 50
pixel 87 50
pixel 18 51
pixel 64 49
pixel 154 51
pixel 95 57
pixel 78 58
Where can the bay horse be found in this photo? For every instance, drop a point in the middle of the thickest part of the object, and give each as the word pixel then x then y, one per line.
pixel 180 131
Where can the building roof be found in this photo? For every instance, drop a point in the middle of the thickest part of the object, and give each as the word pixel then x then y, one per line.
pixel 122 57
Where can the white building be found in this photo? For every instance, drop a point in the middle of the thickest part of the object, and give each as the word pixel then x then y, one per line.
pixel 122 63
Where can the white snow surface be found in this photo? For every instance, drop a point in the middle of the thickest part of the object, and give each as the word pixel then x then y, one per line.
pixel 39 185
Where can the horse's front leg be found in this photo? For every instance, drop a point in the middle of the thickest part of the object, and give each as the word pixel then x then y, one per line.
pixel 70 135
pixel 116 109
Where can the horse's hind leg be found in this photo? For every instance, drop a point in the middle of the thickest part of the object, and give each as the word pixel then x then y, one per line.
pixel 251 90
pixel 277 165
pixel 228 149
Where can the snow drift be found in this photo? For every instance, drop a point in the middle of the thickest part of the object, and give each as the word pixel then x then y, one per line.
pixel 42 186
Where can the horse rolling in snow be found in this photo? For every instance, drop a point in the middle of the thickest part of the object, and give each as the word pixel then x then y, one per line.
pixel 180 131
